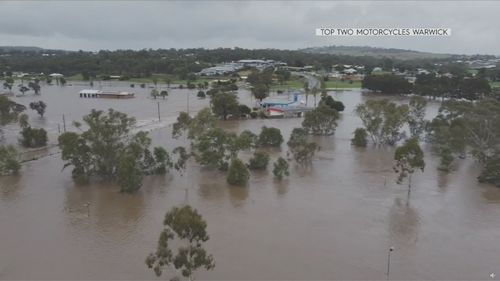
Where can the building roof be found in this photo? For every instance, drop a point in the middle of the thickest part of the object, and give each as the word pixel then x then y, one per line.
pixel 90 91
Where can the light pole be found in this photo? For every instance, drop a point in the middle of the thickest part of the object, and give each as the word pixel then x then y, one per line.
pixel 389 261
pixel 88 208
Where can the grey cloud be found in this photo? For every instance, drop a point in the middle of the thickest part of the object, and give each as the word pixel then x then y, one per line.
pixel 260 24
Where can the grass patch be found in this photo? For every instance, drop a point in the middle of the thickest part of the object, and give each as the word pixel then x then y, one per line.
pixel 295 83
pixel 495 84
pixel 336 84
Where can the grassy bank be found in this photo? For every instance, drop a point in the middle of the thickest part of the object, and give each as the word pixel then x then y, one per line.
pixel 295 83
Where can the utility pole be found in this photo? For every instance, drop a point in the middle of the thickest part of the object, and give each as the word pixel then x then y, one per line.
pixel 159 119
pixel 389 261
pixel 88 208
pixel 64 123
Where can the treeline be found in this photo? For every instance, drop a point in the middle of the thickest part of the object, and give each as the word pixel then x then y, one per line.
pixel 178 62
pixel 470 88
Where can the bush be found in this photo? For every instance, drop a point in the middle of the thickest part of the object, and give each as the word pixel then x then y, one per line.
pixel 201 94
pixel 254 115
pixel 244 110
pixel 359 139
pixel 280 168
pixel 270 137
pixel 8 160
pixel 259 161
pixel 331 103
pixel 238 173
pixel 33 137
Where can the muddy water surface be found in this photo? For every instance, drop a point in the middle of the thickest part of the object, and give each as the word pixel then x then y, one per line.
pixel 335 220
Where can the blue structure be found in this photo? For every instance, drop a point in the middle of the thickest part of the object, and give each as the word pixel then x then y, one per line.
pixel 280 103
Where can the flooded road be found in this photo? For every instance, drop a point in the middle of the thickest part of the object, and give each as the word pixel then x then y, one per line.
pixel 335 220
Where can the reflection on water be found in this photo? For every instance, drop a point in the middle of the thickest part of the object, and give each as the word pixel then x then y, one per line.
pixel 332 220
pixel 403 223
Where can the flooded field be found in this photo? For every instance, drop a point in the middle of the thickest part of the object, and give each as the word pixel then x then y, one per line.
pixel 335 220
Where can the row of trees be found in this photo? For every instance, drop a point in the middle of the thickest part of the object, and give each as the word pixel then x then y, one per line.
pixel 458 87
pixel 460 128
pixel 107 150
pixel 214 147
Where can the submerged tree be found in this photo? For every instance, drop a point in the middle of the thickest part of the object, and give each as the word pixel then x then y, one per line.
pixel 468 127
pixel 359 138
pixel 409 158
pixel 9 110
pixel 302 150
pixel 321 121
pixel 237 173
pixel 185 227
pixel 416 115
pixel 383 120
pixel 270 136
pixel 331 103
pixel 225 104
pixel 106 150
pixel 39 107
pixel 9 163
pixel 280 168
pixel 259 161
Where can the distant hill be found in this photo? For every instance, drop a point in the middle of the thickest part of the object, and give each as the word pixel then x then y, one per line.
pixel 27 49
pixel 376 52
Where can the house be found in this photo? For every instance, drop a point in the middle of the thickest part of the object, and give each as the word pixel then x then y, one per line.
pixel 91 93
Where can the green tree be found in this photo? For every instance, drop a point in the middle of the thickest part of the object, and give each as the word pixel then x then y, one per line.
pixel 330 102
pixel 360 138
pixel 467 127
pixel 302 150
pixel 35 86
pixel 9 110
pixel 321 121
pixel 224 104
pixel 214 148
pixel 154 93
pixel 39 107
pixel 106 147
pixel 259 161
pixel 196 126
pixel 185 227
pixel 8 83
pixel 129 174
pixel 260 91
pixel 9 163
pixel 383 120
pixel 164 94
pixel 31 137
pixel 23 89
pixel 270 137
pixel 416 115
pixel 409 158
pixel 237 173
pixel 280 168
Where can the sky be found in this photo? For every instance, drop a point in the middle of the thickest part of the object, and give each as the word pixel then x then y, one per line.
pixel 88 25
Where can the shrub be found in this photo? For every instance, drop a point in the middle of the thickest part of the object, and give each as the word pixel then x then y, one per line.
pixel 280 168
pixel 8 160
pixel 244 110
pixel 259 161
pixel 359 139
pixel 33 137
pixel 270 137
pixel 238 173
pixel 253 114
pixel 201 94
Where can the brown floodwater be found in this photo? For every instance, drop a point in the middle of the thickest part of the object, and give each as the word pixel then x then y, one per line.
pixel 334 220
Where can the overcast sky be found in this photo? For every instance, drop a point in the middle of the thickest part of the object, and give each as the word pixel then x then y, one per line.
pixel 110 25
